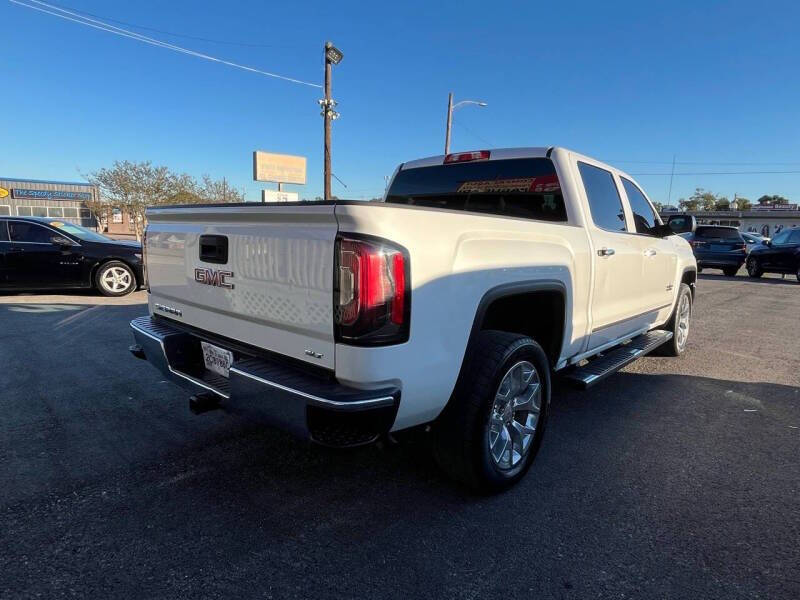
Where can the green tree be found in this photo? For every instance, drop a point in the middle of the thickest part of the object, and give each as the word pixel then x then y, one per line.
pixel 743 203
pixel 702 200
pixel 133 186
pixel 722 204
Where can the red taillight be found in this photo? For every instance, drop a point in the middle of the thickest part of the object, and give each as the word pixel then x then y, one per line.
pixel 371 297
pixel 466 156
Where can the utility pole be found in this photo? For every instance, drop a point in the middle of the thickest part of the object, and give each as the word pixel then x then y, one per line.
pixel 327 194
pixel 333 56
pixel 450 108
pixel 449 122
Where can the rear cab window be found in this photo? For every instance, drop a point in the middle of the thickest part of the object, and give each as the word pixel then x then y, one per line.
pixel 527 188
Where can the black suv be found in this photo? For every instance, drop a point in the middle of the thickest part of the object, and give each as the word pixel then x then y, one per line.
pixel 779 255
pixel 718 247
pixel 44 254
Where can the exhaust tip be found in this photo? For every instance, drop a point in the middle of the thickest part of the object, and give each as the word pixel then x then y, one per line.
pixel 203 403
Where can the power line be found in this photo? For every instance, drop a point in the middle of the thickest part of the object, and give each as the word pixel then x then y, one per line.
pixel 683 162
pixel 473 134
pixel 102 26
pixel 173 34
pixel 667 174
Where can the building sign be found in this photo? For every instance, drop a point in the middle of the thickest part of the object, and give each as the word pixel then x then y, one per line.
pixel 279 168
pixel 3 192
pixel 23 193
pixel 279 196
pixel 774 207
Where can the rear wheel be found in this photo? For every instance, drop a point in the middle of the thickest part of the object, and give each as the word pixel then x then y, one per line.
pixel 490 431
pixel 754 267
pixel 730 271
pixel 798 274
pixel 115 278
pixel 679 324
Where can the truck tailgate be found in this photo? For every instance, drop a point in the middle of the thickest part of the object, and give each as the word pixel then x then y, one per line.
pixel 280 260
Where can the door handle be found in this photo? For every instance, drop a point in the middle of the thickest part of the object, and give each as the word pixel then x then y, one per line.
pixel 605 251
pixel 650 252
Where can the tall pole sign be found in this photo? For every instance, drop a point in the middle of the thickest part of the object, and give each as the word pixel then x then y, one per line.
pixel 333 56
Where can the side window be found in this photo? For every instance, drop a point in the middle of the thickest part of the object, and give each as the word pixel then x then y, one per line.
pixel 795 237
pixel 643 216
pixel 20 231
pixel 604 200
pixel 3 231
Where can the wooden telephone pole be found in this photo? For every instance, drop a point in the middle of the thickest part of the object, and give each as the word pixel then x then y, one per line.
pixel 332 57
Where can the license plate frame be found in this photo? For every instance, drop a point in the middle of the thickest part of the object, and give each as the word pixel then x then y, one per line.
pixel 217 360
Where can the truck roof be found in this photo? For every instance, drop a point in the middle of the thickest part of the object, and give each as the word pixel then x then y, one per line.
pixel 496 154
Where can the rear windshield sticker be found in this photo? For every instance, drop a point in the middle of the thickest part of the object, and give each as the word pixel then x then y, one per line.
pixel 519 185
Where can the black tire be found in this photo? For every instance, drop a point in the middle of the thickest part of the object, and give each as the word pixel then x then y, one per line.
pixel 699 270
pixel 461 433
pixel 730 271
pixel 674 347
pixel 754 269
pixel 798 274
pixel 124 277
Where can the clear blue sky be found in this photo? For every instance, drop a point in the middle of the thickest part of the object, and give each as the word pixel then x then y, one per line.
pixel 709 82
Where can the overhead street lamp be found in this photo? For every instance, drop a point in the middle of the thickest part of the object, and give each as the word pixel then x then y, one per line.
pixel 450 108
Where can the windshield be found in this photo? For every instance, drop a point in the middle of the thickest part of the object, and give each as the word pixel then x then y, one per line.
pixel 79 232
pixel 520 187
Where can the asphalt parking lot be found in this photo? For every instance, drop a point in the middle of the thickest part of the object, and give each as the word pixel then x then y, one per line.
pixel 677 478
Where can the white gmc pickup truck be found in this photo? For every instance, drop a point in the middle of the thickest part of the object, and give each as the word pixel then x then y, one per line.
pixel 450 304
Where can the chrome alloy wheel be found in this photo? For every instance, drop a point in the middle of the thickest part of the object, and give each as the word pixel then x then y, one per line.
pixel 514 416
pixel 116 280
pixel 682 330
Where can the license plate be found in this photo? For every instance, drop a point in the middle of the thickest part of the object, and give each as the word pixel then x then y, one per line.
pixel 217 359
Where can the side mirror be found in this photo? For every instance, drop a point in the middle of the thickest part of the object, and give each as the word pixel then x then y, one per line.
pixel 61 241
pixel 682 223
pixel 662 231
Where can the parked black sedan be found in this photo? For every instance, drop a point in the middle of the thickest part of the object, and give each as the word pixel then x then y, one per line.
pixel 781 254
pixel 718 247
pixel 44 254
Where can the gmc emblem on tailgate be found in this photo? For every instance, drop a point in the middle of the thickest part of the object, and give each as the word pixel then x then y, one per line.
pixel 213 277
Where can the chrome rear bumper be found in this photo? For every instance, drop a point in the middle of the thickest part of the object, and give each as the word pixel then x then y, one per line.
pixel 281 394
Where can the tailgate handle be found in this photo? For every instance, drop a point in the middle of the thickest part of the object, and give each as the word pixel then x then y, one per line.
pixel 214 249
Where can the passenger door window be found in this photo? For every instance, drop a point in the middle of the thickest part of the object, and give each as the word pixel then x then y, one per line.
pixel 3 232
pixel 795 237
pixel 644 218
pixel 604 199
pixel 30 233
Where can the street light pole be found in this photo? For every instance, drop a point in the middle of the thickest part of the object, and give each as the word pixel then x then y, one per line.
pixel 450 108
pixel 449 122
